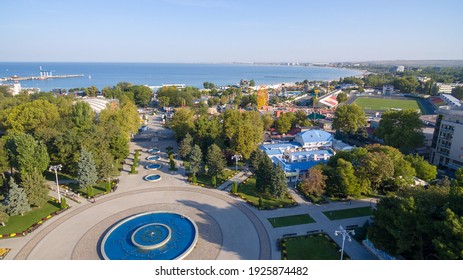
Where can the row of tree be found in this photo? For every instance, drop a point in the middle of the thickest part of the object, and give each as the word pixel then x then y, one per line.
pixel 421 223
pixel 370 170
pixel 233 131
pixel 399 129
pixel 42 129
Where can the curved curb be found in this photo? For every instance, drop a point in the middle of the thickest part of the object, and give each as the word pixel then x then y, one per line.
pixel 264 240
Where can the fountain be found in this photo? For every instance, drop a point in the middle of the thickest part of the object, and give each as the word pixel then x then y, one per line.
pixel 153 151
pixel 150 236
pixel 153 166
pixel 153 158
pixel 152 177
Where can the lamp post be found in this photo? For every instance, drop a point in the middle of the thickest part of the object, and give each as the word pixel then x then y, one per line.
pixel 236 158
pixel 345 233
pixel 56 168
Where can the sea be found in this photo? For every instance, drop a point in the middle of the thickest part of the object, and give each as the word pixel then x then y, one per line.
pixel 157 74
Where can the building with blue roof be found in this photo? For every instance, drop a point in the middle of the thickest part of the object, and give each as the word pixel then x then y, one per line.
pixel 310 148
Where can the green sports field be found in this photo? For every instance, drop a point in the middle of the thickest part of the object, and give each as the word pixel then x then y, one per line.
pixel 381 104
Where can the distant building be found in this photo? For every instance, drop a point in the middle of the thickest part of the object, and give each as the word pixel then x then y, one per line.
pixel 447 142
pixel 309 148
pixel 388 89
pixel 447 88
pixel 15 88
pixel 400 68
pixel 451 100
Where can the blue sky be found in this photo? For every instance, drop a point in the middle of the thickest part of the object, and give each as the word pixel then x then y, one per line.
pixel 230 31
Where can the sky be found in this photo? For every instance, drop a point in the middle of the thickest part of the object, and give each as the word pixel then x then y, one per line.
pixel 218 31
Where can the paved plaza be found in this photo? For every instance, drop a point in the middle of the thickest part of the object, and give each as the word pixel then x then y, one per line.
pixel 229 229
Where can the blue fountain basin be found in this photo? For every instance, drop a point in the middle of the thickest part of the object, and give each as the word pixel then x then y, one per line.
pixel 152 177
pixel 153 150
pixel 154 166
pixel 150 236
pixel 153 158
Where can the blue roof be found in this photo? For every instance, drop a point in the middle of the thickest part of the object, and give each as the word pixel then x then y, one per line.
pixel 310 153
pixel 315 135
pixel 291 167
pixel 283 145
pixel 273 152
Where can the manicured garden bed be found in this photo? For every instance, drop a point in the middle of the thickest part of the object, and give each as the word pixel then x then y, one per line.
pixel 19 224
pixel 348 213
pixel 291 220
pixel 310 247
pixel 247 191
pixel 205 179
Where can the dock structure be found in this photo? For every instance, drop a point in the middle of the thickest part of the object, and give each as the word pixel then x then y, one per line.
pixel 41 77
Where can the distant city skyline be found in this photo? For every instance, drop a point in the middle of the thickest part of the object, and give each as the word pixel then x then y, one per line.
pixel 208 31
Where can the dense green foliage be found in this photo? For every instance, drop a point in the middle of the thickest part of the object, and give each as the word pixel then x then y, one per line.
pixel 16 201
pixel 349 118
pixel 87 173
pixel 401 129
pixel 215 161
pixel 421 223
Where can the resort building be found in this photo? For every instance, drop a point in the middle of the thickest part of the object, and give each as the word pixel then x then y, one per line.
pixel 388 89
pixel 309 148
pixel 447 142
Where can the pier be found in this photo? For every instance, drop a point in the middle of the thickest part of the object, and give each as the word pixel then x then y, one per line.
pixel 42 77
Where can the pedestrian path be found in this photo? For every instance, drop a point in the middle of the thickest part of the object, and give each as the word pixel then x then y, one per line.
pixel 238 178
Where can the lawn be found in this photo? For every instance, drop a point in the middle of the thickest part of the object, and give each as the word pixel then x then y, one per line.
pixel 381 104
pixel 248 192
pixel 21 223
pixel 99 188
pixel 205 179
pixel 348 213
pixel 291 220
pixel 310 247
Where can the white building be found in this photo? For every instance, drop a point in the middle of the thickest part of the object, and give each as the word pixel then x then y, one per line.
pixel 447 143
pixel 15 88
pixel 451 100
pixel 400 68
pixel 447 88
pixel 388 89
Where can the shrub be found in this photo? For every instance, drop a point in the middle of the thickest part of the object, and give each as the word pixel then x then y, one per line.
pixel 234 188
pixel 261 202
pixel 63 204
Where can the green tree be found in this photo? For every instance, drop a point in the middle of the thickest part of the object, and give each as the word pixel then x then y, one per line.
pixel 300 119
pixel 106 167
pixel 142 95
pixel 449 241
pixel 26 154
pixel 263 176
pixel 87 174
pixel 82 115
pixel 36 188
pixel 284 123
pixel 196 160
pixel 172 162
pixel 267 121
pixel 234 188
pixel 182 122
pixel 315 183
pixel 63 204
pixel 16 200
pixel 457 92
pixel 424 170
pixel 91 91
pixel 252 83
pixel 164 101
pixel 278 186
pixel 347 182
pixel 215 161
pixel 349 118
pixel 186 146
pixel 401 129
pixel 342 97
pixel 407 84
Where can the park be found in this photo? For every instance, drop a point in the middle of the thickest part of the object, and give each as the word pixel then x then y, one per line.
pixel 228 227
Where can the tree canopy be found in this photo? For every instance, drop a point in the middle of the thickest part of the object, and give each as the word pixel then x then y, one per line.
pixel 401 129
pixel 349 118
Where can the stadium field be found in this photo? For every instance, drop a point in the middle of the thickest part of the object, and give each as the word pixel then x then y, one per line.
pixel 382 104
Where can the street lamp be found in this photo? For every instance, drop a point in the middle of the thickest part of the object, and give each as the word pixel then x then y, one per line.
pixel 345 233
pixel 56 168
pixel 236 158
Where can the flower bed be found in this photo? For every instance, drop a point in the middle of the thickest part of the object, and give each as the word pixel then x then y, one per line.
pixel 4 252
pixel 35 225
